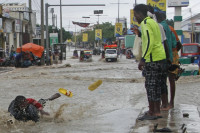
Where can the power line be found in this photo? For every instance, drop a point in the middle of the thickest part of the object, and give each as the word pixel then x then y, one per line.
pixel 36 5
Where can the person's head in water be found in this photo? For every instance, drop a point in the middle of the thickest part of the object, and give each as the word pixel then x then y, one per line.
pixel 140 12
pixel 20 102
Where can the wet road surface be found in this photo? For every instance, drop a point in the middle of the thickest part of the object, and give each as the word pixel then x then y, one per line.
pixel 111 108
pixel 174 119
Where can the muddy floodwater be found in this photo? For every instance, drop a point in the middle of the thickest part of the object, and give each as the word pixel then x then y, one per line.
pixel 112 108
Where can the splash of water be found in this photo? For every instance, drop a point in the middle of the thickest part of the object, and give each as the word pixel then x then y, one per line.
pixel 59 112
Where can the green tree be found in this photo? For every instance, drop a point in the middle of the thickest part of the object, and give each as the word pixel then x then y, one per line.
pixel 107 33
pixel 66 34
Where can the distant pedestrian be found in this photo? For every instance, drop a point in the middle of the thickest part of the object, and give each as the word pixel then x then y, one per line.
pixel 56 54
pixel 153 58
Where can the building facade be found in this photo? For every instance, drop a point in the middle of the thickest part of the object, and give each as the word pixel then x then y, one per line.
pixel 14 26
pixel 191 29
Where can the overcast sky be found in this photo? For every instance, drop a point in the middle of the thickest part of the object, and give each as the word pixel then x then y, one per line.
pixel 110 11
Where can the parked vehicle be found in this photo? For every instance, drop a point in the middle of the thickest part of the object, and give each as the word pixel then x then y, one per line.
pixel 111 52
pixel 96 51
pixel 129 54
pixel 86 55
pixel 190 58
pixel 192 51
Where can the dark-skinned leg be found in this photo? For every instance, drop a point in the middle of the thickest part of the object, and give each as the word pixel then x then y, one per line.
pixel 172 89
pixel 164 96
pixel 151 108
pixel 157 108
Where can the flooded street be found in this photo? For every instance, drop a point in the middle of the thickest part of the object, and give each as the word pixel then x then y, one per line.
pixel 112 108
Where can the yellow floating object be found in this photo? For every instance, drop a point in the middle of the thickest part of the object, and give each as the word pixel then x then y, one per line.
pixel 95 85
pixel 66 92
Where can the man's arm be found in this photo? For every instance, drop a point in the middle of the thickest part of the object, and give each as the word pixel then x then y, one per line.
pixel 37 105
pixel 166 49
pixel 149 37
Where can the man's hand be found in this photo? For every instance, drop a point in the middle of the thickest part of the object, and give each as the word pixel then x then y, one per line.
pixel 141 65
pixel 169 63
pixel 42 112
pixel 135 30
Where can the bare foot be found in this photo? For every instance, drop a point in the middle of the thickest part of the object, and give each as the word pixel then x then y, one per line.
pixel 171 106
pixel 165 108
pixel 148 113
pixel 158 115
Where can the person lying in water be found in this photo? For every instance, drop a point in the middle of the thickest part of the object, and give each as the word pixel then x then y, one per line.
pixel 25 109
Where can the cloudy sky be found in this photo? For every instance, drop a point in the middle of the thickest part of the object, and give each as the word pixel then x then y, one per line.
pixel 110 11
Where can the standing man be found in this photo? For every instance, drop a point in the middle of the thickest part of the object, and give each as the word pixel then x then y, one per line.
pixel 152 62
pixel 174 74
pixel 171 41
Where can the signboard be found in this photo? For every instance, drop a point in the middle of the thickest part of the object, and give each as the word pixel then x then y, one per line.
pixel 8 26
pixel 85 37
pixel 129 41
pixel 181 3
pixel 133 20
pixel 159 5
pixel 1 10
pixel 1 24
pixel 118 29
pixel 98 34
pixel 69 40
pixel 98 11
pixel 6 13
pixel 124 25
pixel 17 25
pixel 26 15
pixel 53 38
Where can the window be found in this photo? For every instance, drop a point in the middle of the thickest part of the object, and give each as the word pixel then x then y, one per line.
pixel 190 49
pixel 111 51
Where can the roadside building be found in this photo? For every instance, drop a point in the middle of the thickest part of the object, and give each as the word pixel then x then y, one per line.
pixel 191 29
pixel 14 26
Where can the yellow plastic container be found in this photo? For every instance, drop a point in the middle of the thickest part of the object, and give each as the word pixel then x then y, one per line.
pixel 66 92
pixel 95 85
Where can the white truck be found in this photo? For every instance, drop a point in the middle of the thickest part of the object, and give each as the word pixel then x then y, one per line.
pixel 111 54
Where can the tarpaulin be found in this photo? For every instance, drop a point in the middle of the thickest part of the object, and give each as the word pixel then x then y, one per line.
pixel 31 47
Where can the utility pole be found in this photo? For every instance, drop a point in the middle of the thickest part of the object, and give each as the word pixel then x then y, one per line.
pixel 53 25
pixel 21 31
pixel 46 12
pixel 42 29
pixel 56 22
pixel 47 34
pixel 118 7
pixel 192 28
pixel 30 23
pixel 118 19
pixel 85 18
pixel 61 23
pixel 97 13
pixel 75 37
